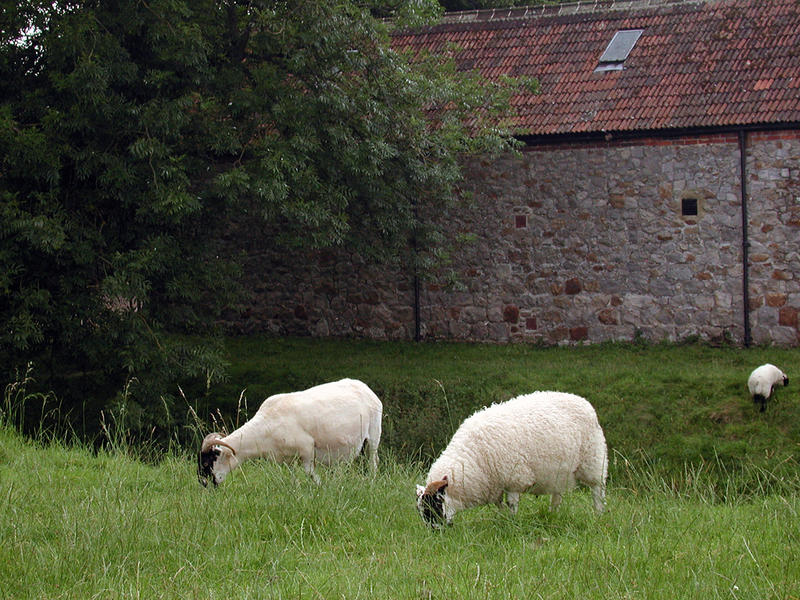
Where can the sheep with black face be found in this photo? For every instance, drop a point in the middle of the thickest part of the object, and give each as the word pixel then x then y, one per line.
pixel 762 381
pixel 329 423
pixel 539 443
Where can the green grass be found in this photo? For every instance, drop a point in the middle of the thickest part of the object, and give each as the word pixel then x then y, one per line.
pixel 660 404
pixel 78 525
pixel 703 499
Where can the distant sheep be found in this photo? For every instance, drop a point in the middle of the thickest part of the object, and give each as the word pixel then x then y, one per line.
pixel 540 443
pixel 761 382
pixel 328 423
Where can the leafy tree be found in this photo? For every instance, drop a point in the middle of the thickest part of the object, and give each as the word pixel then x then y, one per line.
pixel 133 132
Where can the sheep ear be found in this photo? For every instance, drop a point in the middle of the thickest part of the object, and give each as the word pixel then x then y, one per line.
pixel 436 487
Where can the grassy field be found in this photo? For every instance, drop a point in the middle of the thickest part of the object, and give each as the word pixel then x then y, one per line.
pixel 78 525
pixel 703 497
pixel 660 406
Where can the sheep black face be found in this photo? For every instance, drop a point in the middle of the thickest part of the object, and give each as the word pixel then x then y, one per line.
pixel 205 466
pixel 430 503
pixel 213 462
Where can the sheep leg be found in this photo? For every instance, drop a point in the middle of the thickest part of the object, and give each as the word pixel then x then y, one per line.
pixel 372 448
pixel 555 500
pixel 308 466
pixel 512 501
pixel 599 497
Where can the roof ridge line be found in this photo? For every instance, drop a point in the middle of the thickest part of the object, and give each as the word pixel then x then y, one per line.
pixel 567 8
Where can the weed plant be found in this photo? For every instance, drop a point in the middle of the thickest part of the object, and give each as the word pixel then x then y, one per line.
pixel 36 413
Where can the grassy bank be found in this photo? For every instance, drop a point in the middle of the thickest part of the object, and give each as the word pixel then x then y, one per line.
pixel 661 406
pixel 703 498
pixel 75 524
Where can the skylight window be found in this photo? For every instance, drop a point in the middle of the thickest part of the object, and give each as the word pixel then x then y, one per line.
pixel 618 49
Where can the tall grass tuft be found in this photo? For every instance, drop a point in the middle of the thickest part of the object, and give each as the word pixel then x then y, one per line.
pixel 37 414
pixel 712 482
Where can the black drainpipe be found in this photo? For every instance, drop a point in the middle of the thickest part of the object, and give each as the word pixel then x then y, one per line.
pixel 745 239
pixel 417 318
pixel 416 282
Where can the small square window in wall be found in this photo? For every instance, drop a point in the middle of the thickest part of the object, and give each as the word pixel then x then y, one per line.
pixel 520 221
pixel 689 207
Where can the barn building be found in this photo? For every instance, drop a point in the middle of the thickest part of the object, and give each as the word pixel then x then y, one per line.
pixel 656 196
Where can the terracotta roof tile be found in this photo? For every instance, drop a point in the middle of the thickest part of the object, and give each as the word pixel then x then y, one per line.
pixel 698 63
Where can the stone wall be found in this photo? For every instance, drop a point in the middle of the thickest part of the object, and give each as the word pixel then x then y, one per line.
pixel 332 293
pixel 774 207
pixel 576 243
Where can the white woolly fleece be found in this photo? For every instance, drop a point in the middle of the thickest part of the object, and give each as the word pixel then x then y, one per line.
pixel 763 378
pixel 541 443
pixel 326 424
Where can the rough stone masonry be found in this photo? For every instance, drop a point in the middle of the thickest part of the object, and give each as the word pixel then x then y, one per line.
pixel 575 243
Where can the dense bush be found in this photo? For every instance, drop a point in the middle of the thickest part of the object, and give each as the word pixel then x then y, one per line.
pixel 132 134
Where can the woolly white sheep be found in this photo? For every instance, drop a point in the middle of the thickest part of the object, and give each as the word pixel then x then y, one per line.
pixel 540 443
pixel 761 382
pixel 329 423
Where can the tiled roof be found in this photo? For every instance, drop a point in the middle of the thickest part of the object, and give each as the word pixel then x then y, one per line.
pixel 716 63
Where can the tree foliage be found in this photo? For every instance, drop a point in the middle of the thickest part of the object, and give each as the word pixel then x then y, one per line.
pixel 131 132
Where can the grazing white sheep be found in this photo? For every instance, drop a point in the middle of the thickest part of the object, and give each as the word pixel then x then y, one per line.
pixel 329 423
pixel 540 443
pixel 761 382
